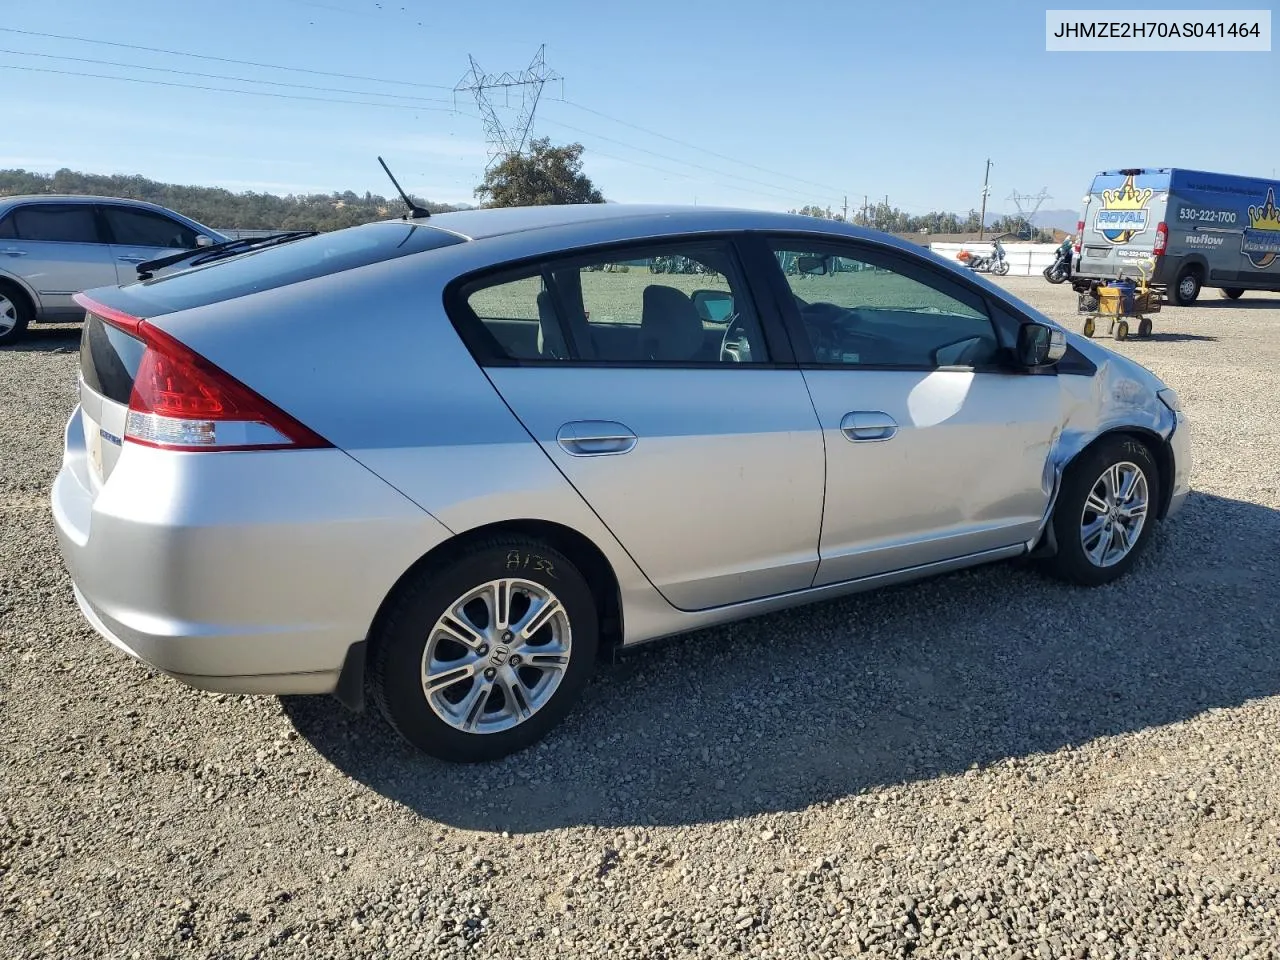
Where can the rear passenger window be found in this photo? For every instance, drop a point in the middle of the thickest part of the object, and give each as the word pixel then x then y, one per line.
pixel 509 312
pixel 672 305
pixel 67 223
pixel 6 229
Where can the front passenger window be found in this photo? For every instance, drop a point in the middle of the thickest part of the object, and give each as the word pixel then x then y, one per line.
pixel 878 310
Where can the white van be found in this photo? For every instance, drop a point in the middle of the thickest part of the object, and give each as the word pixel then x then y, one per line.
pixel 1185 228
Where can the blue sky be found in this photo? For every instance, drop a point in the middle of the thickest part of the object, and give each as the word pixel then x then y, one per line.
pixel 798 103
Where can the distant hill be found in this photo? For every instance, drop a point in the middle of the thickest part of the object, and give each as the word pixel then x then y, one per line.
pixel 219 208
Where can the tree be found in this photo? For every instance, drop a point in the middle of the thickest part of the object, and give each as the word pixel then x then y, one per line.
pixel 544 175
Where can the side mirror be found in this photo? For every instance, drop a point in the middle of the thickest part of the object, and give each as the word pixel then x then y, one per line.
pixel 203 241
pixel 1040 345
pixel 714 306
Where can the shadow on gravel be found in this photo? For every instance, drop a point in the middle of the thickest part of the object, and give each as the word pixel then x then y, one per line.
pixel 798 708
pixel 1162 337
pixel 57 339
pixel 1250 301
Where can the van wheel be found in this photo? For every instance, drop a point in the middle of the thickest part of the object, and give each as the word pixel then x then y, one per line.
pixel 1186 290
pixel 484 652
pixel 1231 293
pixel 14 315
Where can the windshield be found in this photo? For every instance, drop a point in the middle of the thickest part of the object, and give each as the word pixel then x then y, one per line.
pixel 279 266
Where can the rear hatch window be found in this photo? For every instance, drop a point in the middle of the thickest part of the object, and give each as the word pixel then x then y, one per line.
pixel 278 266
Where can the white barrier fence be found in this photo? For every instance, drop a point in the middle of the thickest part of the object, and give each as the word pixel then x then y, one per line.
pixel 1025 259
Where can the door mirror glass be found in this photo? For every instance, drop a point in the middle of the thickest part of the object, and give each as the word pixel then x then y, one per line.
pixel 1040 345
pixel 714 306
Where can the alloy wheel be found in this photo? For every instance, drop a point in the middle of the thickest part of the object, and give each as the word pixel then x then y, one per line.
pixel 496 655
pixel 1114 514
pixel 8 315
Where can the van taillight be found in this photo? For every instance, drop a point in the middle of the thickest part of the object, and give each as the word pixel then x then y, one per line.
pixel 1079 234
pixel 181 401
pixel 1162 239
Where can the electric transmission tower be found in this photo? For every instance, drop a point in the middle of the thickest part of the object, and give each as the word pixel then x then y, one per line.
pixel 507 139
pixel 1022 201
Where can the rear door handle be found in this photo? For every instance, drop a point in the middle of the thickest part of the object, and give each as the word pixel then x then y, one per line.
pixel 866 425
pixel 14 253
pixel 595 438
pixel 131 259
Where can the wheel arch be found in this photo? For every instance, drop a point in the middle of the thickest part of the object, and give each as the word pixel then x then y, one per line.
pixel 1161 452
pixel 10 282
pixel 586 556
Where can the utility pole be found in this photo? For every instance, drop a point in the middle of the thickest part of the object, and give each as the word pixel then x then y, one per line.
pixel 866 221
pixel 845 214
pixel 982 217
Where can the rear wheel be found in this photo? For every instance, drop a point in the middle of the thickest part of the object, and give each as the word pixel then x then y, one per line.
pixel 482 654
pixel 15 314
pixel 1105 512
pixel 1186 289
pixel 1231 293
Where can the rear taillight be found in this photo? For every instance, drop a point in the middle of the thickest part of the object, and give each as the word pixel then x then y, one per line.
pixel 1079 235
pixel 1162 239
pixel 181 401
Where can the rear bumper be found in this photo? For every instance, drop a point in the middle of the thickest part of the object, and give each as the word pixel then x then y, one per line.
pixel 237 572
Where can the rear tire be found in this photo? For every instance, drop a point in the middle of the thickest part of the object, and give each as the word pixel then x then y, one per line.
pixel 1083 557
pixel 1231 293
pixel 15 315
pixel 506 692
pixel 1186 289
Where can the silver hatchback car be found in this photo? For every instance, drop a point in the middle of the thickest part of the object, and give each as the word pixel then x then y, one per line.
pixel 452 459
pixel 52 247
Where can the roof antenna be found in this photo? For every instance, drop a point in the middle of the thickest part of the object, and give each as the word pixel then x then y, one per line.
pixel 415 211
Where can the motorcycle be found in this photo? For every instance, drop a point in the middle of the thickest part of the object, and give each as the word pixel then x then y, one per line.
pixel 1060 269
pixel 996 263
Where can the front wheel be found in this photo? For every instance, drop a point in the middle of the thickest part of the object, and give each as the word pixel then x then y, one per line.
pixel 1105 512
pixel 1055 274
pixel 1000 268
pixel 480 656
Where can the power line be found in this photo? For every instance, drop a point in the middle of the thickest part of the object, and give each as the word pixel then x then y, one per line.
pixel 252 93
pixel 663 156
pixel 222 76
pixel 694 146
pixel 204 56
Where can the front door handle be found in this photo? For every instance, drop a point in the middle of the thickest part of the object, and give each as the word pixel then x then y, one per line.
pixel 595 438
pixel 14 253
pixel 131 259
pixel 864 425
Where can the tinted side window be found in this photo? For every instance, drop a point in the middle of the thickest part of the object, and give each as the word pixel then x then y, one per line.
pixel 142 228
pixel 6 229
pixel 662 305
pixel 868 308
pixel 68 223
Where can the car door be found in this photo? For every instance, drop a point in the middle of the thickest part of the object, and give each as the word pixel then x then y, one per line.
pixel 694 440
pixel 58 249
pixel 936 448
pixel 138 235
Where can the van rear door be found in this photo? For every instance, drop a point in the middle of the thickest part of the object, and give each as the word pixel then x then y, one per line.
pixel 1121 214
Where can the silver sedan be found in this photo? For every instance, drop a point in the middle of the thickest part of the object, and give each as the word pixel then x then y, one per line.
pixel 451 460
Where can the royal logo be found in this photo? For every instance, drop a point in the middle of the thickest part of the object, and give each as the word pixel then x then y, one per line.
pixel 1261 240
pixel 1124 212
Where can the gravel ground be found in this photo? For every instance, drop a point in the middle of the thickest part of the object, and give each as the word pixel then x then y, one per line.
pixel 985 765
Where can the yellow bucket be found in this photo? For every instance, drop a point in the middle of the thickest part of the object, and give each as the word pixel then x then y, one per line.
pixel 1109 301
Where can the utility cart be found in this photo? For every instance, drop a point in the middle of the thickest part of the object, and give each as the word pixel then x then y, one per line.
pixel 1123 304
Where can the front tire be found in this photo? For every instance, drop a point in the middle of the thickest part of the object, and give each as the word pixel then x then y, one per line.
pixel 1186 289
pixel 1000 268
pixel 483 653
pixel 1105 512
